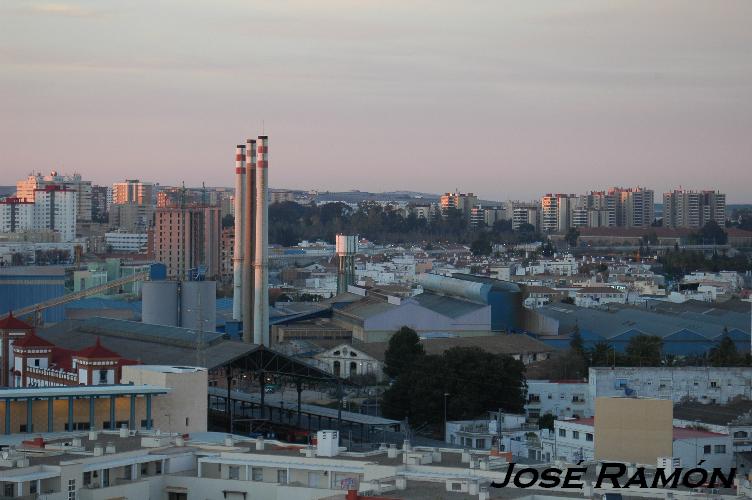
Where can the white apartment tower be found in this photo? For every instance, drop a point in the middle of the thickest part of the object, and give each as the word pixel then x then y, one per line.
pixel 693 209
pixel 56 208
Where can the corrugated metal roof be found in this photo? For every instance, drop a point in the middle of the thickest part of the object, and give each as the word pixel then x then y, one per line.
pixel 616 320
pixel 447 306
pixel 147 344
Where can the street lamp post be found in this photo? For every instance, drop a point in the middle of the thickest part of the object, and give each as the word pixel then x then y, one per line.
pixel 446 394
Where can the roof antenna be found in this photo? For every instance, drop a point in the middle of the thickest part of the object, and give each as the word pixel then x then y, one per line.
pixel 263 131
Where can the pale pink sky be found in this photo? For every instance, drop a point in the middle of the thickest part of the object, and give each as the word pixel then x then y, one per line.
pixel 505 99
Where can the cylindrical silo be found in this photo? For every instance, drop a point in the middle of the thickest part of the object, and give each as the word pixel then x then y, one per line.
pixel 159 303
pixel 198 305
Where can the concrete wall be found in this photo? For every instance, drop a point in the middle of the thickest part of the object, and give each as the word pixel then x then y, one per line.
pixel 633 430
pixel 185 408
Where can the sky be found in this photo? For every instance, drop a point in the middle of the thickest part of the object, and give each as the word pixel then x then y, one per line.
pixel 508 100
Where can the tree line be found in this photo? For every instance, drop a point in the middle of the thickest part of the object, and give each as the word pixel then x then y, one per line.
pixel 469 380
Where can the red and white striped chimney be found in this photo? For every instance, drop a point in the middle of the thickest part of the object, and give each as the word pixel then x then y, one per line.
pixel 249 225
pixel 261 270
pixel 237 261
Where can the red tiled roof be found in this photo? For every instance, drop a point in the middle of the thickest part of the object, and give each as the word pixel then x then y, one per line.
pixel 10 322
pixel 684 433
pixel 97 351
pixel 32 340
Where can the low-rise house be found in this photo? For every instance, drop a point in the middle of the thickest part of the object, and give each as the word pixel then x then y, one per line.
pixel 594 296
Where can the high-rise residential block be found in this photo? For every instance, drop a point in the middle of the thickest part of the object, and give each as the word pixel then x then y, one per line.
pixel 463 202
pixel 693 209
pixel 26 189
pixel 187 238
pixel 55 208
pixel 133 191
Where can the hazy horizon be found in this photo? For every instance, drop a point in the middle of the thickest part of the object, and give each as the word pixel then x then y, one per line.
pixel 503 99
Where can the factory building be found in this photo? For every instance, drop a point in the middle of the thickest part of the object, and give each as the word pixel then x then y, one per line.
pixel 463 305
pixel 22 286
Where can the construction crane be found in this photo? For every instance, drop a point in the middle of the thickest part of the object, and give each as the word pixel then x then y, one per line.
pixel 39 308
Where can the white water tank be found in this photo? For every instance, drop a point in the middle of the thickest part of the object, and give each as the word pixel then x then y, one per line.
pixel 159 303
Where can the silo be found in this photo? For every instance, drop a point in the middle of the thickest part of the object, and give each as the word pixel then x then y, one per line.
pixel 198 305
pixel 159 303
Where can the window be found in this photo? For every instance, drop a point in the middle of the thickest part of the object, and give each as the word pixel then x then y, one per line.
pixel 714 384
pixel 87 478
pixel 562 433
pixel 187 421
pixel 158 467
pixel 588 437
pixel 575 434
pixel 8 490
pixel 480 444
pixel 233 472
pixel 36 363
pixel 72 489
pixel 257 474
pixel 456 486
pixel 282 476
pixel 720 448
pixel 102 376
pixel 706 449
pixel 32 487
pixel 740 434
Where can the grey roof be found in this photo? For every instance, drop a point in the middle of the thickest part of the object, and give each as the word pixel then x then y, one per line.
pixel 448 306
pixel 366 308
pixel 148 344
pixel 736 411
pixel 617 319
pixel 496 284
pixel 496 344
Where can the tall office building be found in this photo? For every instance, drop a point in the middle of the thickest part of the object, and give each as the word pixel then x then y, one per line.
pixel 187 238
pixel 133 191
pixel 26 189
pixel 693 209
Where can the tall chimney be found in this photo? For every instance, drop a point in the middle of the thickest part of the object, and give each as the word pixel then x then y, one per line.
pixel 249 224
pixel 237 260
pixel 261 271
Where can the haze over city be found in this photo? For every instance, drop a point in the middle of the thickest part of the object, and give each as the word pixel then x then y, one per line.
pixel 506 99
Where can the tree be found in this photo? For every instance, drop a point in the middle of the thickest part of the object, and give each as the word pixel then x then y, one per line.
pixel 481 246
pixel 602 354
pixel 476 381
pixel 403 351
pixel 546 422
pixel 572 236
pixel 645 350
pixel 725 352
pixel 576 343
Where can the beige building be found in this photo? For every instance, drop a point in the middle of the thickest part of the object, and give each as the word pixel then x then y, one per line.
pixel 633 430
pixel 25 189
pixel 186 238
pixel 184 409
pixel 133 191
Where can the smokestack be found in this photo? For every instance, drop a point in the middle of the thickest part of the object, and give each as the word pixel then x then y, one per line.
pixel 249 225
pixel 261 271
pixel 237 261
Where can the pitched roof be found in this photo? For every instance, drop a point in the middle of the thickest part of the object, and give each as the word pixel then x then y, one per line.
pixel 495 344
pixel 32 340
pixel 97 351
pixel 10 322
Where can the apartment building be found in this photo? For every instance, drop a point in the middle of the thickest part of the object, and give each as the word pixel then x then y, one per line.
pixel 463 202
pixel 188 238
pixel 16 215
pixel 635 207
pixel 56 209
pixel 560 398
pixel 133 191
pixel 525 213
pixel 28 188
pixel 693 209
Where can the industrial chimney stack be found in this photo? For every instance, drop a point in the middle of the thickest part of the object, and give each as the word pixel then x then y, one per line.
pixel 261 253
pixel 249 224
pixel 251 271
pixel 237 261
